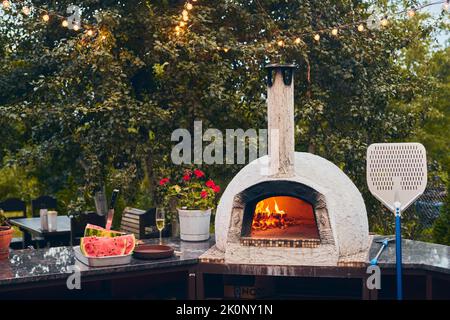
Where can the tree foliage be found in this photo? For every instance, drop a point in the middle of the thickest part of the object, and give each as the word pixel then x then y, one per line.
pixel 81 112
pixel 441 230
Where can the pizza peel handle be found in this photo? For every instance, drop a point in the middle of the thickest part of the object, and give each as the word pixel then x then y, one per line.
pixel 111 209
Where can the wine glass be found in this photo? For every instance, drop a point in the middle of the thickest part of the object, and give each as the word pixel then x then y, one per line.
pixel 160 221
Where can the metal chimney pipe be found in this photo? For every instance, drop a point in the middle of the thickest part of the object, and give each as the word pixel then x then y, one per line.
pixel 280 115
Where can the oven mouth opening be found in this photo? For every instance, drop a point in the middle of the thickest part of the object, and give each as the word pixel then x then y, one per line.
pixel 280 221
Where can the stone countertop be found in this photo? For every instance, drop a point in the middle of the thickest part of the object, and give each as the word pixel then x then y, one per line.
pixel 26 266
pixel 415 255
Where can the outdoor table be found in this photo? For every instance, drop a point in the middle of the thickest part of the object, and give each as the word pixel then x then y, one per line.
pixel 32 227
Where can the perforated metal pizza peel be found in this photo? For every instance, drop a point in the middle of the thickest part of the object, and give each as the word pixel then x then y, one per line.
pixel 396 172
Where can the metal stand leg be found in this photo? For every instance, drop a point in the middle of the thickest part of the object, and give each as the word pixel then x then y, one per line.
pixel 398 252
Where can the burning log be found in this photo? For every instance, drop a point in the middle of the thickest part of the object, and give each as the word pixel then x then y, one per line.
pixel 264 218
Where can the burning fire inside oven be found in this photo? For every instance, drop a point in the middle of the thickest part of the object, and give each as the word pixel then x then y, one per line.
pixel 268 215
pixel 284 217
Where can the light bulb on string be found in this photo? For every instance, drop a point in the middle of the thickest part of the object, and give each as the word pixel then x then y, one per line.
pixel 225 50
pixel 411 12
pixel 317 37
pixel 65 24
pixel 177 28
pixel 184 13
pixel 297 40
pixel 26 10
pixel 182 24
pixel 360 28
pixel 446 6
pixel 185 18
pixel 189 6
pixel 334 32
pixel 76 27
pixel 280 43
pixel 90 33
pixel 384 22
pixel 6 4
pixel 46 17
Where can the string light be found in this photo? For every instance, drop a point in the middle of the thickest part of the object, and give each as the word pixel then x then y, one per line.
pixel 384 22
pixel 360 25
pixel 26 10
pixel 6 4
pixel 411 12
pixel 225 50
pixel 44 14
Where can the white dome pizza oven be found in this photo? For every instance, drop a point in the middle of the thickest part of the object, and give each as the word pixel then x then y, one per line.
pixel 290 208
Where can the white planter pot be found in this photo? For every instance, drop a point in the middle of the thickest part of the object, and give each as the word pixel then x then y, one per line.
pixel 194 224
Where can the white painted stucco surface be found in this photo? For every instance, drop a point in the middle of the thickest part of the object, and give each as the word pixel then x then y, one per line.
pixel 346 208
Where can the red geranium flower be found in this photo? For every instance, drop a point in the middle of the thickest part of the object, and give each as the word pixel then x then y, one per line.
pixel 204 194
pixel 216 189
pixel 187 177
pixel 163 181
pixel 199 173
pixel 210 184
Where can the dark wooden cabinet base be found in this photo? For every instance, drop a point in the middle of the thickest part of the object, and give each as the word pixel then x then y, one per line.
pixel 171 283
pixel 221 281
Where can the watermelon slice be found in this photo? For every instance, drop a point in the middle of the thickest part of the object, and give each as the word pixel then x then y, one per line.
pixel 93 230
pixel 100 242
pixel 103 247
pixel 131 243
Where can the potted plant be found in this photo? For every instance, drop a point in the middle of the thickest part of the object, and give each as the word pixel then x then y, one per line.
pixel 195 197
pixel 6 233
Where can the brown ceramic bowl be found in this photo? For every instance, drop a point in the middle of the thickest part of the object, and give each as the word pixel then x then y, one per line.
pixel 153 251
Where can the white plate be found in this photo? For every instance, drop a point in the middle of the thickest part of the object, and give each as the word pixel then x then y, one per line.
pixel 102 261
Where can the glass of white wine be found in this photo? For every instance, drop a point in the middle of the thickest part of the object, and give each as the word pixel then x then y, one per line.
pixel 160 221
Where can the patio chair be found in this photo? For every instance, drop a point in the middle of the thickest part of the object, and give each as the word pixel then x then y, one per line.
pixel 78 223
pixel 15 208
pixel 141 223
pixel 42 202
